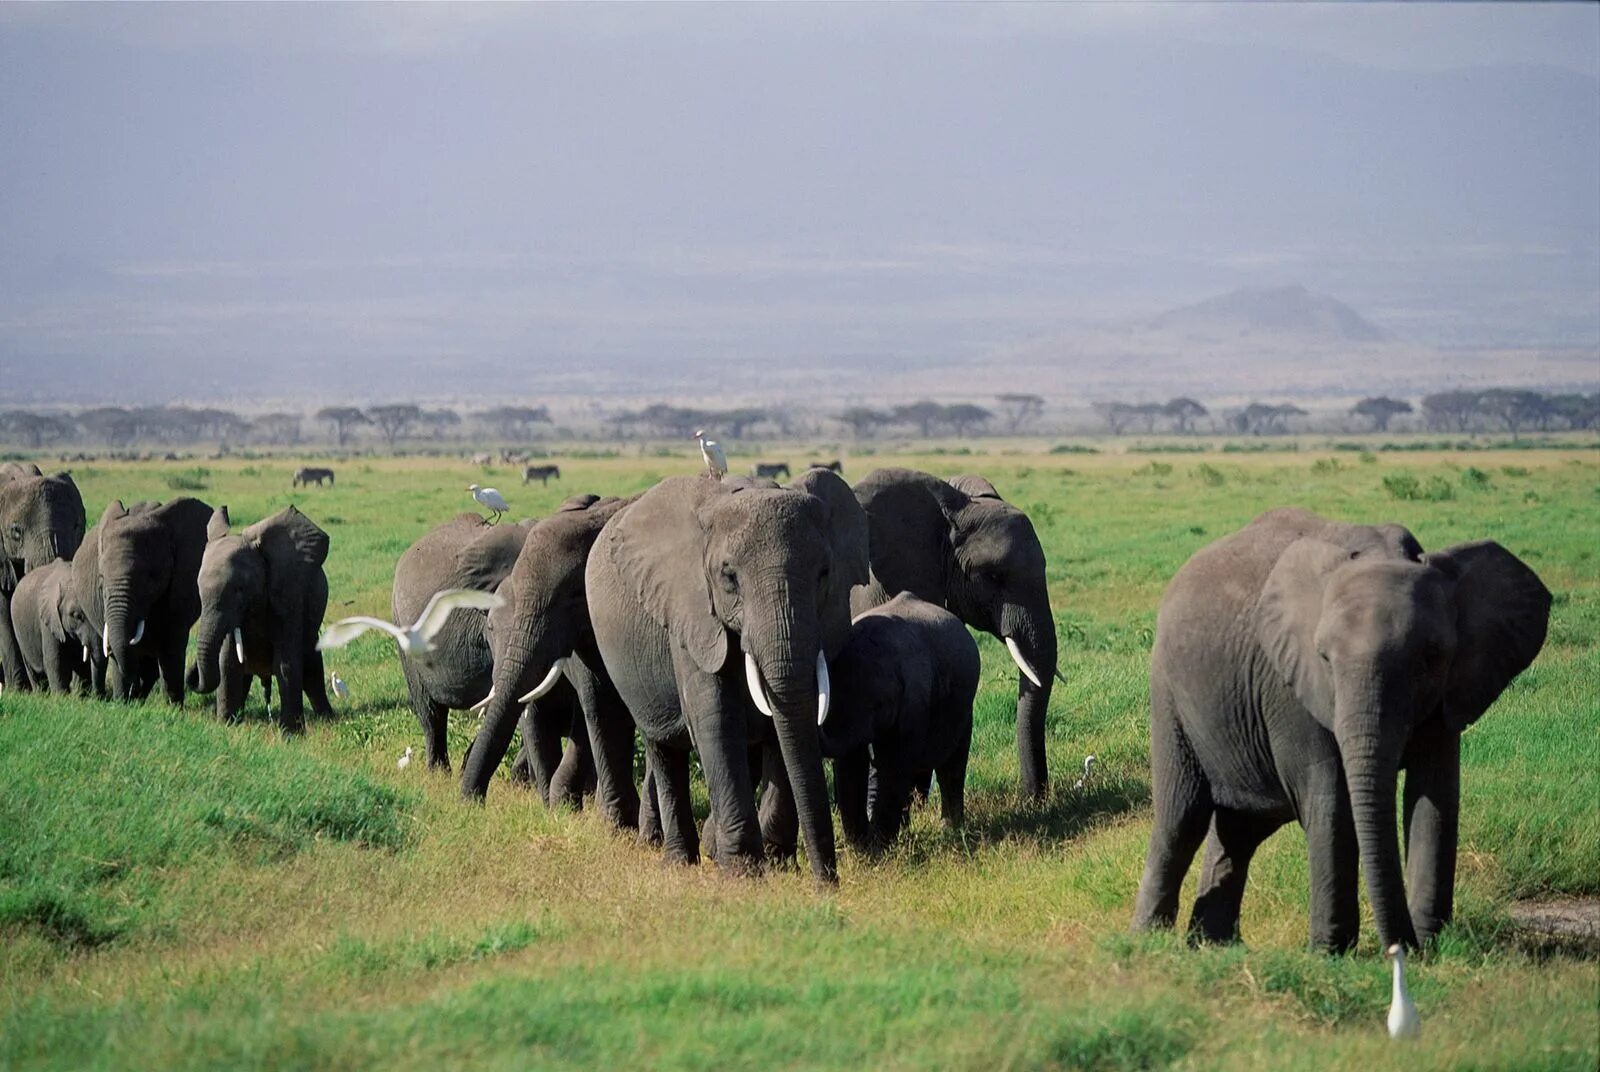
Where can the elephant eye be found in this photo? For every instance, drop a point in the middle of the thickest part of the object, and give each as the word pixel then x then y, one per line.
pixel 1322 653
pixel 730 579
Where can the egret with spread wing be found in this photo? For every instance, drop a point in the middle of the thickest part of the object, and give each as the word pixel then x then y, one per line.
pixel 415 640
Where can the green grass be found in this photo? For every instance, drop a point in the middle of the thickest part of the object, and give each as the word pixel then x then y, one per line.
pixel 178 893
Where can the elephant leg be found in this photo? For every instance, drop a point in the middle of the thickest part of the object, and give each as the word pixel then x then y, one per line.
pixel 850 776
pixel 1334 856
pixel 169 661
pixel 893 806
pixel 1183 807
pixel 233 686
pixel 291 693
pixel 680 842
pixel 15 671
pixel 541 733
pixel 146 672
pixel 650 831
pixel 1234 839
pixel 574 773
pixel 610 730
pixel 433 717
pixel 1432 813
pixel 97 676
pixel 780 819
pixel 952 774
pixel 57 666
pixel 316 683
pixel 921 787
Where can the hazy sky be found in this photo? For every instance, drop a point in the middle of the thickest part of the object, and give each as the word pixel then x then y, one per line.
pixel 409 190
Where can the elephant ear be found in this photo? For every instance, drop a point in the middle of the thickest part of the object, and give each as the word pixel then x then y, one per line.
pixel 1502 614
pixel 975 487
pixel 578 502
pixel 845 523
pixel 489 559
pixel 114 511
pixel 293 549
pixel 660 549
pixel 1288 612
pixel 219 524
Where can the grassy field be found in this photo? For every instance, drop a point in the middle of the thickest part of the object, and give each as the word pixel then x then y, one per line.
pixel 177 893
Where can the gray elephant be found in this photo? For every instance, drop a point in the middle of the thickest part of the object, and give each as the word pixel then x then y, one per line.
pixel 41 519
pixel 262 597
pixel 85 610
pixel 52 655
pixel 542 637
pixel 903 687
pixel 149 587
pixel 464 552
pixel 957 544
pixel 1299 665
pixel 712 603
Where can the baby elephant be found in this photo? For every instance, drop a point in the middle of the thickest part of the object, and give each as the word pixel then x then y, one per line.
pixel 902 687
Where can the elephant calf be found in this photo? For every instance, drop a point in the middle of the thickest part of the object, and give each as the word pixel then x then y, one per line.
pixel 1299 665
pixel 903 686
pixel 52 654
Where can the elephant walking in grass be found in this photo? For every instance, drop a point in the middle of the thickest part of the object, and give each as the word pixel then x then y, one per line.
pixel 263 593
pixel 86 611
pixel 957 544
pixel 545 658
pixel 41 520
pixel 1299 665
pixel 149 569
pixel 715 607
pixel 52 654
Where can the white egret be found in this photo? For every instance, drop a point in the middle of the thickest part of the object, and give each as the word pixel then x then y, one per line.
pixel 711 451
pixel 415 640
pixel 1088 766
pixel 405 759
pixel 340 689
pixel 491 498
pixel 1404 1023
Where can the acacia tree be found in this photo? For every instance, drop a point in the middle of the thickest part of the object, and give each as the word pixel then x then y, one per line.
pixel 1117 415
pixel 1183 412
pixel 515 422
pixel 1261 418
pixel 1381 410
pixel 1516 409
pixel 1019 409
pixel 281 428
pixel 964 415
pixel 394 420
pixel 864 420
pixel 112 425
pixel 1579 411
pixel 1450 409
pixel 33 429
pixel 343 419
pixel 924 414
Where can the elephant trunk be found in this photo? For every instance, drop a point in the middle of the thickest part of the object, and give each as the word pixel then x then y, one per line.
pixel 117 640
pixel 528 661
pixel 1030 636
pixel 1371 763
pixel 212 643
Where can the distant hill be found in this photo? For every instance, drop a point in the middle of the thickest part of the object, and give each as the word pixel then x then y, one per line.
pixel 1280 310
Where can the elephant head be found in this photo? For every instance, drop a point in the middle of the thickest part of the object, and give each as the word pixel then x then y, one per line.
pixel 545 617
pixel 960 546
pixel 149 565
pixel 1375 645
pixel 41 518
pixel 267 576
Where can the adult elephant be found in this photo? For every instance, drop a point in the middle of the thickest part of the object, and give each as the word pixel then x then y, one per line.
pixel 1299 665
pixel 86 608
pixel 51 654
pixel 541 635
pixel 464 552
pixel 957 544
pixel 262 597
pixel 712 603
pixel 41 519
pixel 149 581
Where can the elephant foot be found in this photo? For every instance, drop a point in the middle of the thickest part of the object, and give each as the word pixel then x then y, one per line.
pixel 672 859
pixel 740 865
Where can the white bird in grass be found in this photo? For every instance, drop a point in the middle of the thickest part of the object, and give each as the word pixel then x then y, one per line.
pixel 404 760
pixel 711 451
pixel 415 640
pixel 340 689
pixel 1088 767
pixel 491 498
pixel 1404 1023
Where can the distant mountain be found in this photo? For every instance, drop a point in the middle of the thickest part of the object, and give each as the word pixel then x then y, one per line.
pixel 1279 310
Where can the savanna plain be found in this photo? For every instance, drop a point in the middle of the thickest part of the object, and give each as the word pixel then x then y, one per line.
pixel 180 893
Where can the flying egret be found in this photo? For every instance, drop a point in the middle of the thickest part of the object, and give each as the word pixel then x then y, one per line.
pixel 491 498
pixel 1088 766
pixel 415 640
pixel 1404 1023
pixel 340 689
pixel 711 451
pixel 405 759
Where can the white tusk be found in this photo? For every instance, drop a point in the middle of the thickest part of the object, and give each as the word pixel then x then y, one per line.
pixel 1022 664
pixel 544 686
pixel 138 634
pixel 481 704
pixel 238 644
pixel 824 689
pixel 758 690
pixel 86 653
pixel 105 645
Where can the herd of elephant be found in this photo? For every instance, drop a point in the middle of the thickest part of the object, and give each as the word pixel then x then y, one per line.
pixel 1299 665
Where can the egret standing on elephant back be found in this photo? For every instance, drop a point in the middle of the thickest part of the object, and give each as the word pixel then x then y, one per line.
pixel 711 451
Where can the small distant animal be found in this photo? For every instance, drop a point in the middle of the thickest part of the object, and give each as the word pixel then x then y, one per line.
pixel 306 475
pixel 514 457
pixel 835 465
pixel 711 453
pixel 541 473
pixel 405 759
pixel 1088 769
pixel 770 469
pixel 483 459
pixel 491 498
pixel 340 689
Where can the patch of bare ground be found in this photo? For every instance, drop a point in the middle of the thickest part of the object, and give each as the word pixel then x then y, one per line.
pixel 1561 924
